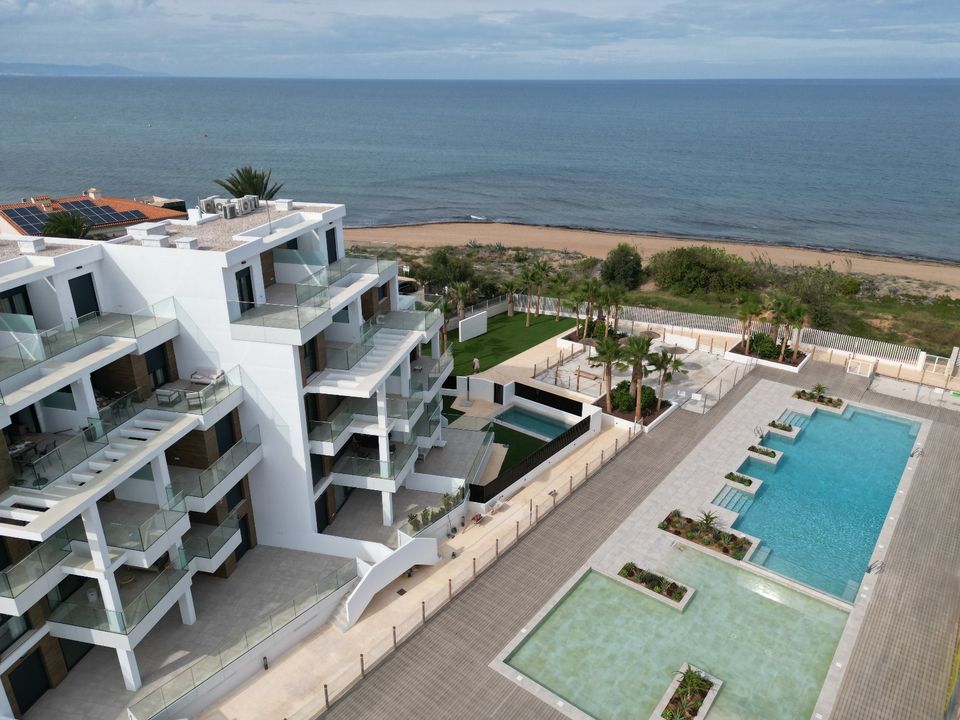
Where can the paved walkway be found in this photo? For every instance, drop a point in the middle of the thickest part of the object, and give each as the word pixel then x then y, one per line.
pixel 442 672
pixel 901 661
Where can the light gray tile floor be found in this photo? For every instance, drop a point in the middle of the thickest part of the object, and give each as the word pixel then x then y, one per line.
pixel 265 581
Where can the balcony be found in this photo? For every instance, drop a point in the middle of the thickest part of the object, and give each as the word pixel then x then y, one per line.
pixel 203 488
pixel 143 529
pixel 429 372
pixel 207 546
pixel 361 467
pixel 20 585
pixel 144 595
pixel 181 396
pixel 45 463
pixel 360 415
pixel 36 346
pixel 11 630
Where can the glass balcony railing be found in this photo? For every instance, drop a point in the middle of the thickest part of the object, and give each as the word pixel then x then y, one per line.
pixel 204 481
pixel 34 347
pixel 410 320
pixel 275 315
pixel 344 358
pixel 373 466
pixel 11 630
pixel 39 471
pixel 42 559
pixel 154 703
pixel 140 536
pixel 430 420
pixel 171 399
pixel 398 408
pixel 206 541
pixel 78 611
pixel 330 430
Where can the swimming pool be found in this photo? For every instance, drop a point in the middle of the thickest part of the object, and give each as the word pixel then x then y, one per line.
pixel 541 425
pixel 821 508
pixel 612 651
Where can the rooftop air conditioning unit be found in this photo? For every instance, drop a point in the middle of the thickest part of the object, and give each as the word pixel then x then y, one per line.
pixel 246 206
pixel 228 211
pixel 254 201
pixel 209 205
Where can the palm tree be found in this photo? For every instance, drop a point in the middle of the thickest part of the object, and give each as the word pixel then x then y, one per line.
pixel 591 289
pixel 605 301
pixel 607 353
pixel 510 286
pixel 577 299
pixel 461 292
pixel 797 316
pixel 528 278
pixel 248 180
pixel 819 390
pixel 560 286
pixel 634 354
pixel 542 270
pixel 444 307
pixel 66 225
pixel 749 307
pixel 617 296
pixel 667 365
pixel 780 310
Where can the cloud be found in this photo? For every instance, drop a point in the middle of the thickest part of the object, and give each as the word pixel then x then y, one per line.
pixel 429 38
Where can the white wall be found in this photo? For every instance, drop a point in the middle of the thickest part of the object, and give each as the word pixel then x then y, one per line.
pixel 473 326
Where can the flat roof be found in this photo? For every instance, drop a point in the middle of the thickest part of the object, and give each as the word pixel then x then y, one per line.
pixel 10 249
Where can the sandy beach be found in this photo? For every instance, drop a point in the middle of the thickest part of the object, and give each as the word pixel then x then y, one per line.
pixel 589 242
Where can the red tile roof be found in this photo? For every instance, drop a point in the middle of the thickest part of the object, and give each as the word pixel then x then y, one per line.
pixel 152 212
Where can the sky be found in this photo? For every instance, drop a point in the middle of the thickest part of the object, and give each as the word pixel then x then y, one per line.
pixel 542 39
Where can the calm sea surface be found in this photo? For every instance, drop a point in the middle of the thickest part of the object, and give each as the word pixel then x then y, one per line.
pixel 868 166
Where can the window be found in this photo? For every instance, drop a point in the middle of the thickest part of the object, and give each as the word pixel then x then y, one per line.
pixel 16 301
pixel 331 238
pixel 156 367
pixel 383 291
pixel 235 495
pixel 343 316
pixel 292 244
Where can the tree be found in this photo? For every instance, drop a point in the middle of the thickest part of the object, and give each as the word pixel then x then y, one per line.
pixel 797 315
pixel 510 286
pixel 461 293
pixel 560 286
pixel 780 308
pixel 66 225
pixel 591 289
pixel 749 307
pixel 607 353
pixel 616 297
pixel 528 278
pixel 634 355
pixel 444 307
pixel 542 270
pixel 666 365
pixel 623 266
pixel 248 180
pixel 443 268
pixel 577 299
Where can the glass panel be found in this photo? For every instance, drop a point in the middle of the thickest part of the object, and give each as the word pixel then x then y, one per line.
pixel 201 484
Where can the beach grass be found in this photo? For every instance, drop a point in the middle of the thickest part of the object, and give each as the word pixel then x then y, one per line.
pixel 505 337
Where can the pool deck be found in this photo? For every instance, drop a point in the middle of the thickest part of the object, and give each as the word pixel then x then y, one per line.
pixel 899 664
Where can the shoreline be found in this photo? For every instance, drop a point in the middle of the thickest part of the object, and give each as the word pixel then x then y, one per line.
pixel 598 242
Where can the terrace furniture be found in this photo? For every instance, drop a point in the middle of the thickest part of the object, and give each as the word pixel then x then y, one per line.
pixel 194 400
pixel 477 519
pixel 206 376
pixel 168 398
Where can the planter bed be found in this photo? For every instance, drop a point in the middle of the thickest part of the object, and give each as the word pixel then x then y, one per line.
pixel 754 483
pixel 714 539
pixel 659 587
pixel 774 362
pixel 765 454
pixel 700 699
pixel 831 403
pixel 783 429
pixel 739 478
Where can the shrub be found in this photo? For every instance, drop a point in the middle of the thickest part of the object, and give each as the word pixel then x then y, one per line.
pixel 621 397
pixel 764 346
pixel 623 266
pixel 648 401
pixel 702 269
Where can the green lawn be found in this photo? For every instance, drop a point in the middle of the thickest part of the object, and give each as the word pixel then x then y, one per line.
pixel 520 444
pixel 505 337
pixel 450 412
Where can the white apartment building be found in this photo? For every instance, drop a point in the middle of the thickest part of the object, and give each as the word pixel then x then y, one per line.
pixel 174 396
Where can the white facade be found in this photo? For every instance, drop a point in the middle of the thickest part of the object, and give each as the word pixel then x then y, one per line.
pixel 260 329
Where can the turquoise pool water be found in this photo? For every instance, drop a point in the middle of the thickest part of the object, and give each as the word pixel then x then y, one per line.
pixel 542 425
pixel 820 510
pixel 611 650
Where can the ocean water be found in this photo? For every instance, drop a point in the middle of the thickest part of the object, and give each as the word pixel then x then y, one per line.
pixel 821 508
pixel 871 166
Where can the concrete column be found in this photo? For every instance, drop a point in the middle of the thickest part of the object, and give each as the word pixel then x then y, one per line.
pixel 96 539
pixel 161 478
pixel 84 397
pixel 382 406
pixel 129 668
pixel 188 613
pixel 394 292
pixel 435 345
pixel 405 377
pixel 386 499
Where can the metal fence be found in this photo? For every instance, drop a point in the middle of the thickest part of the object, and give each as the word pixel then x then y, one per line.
pixel 713 323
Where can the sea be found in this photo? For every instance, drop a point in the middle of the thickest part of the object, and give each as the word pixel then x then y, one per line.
pixel 868 166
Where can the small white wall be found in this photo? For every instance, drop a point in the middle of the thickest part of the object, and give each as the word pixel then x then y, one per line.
pixel 434 483
pixel 473 326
